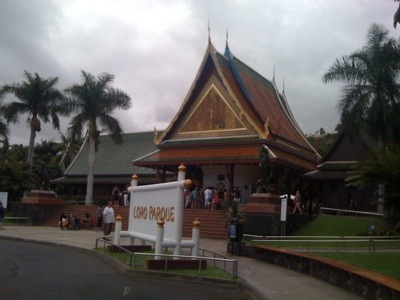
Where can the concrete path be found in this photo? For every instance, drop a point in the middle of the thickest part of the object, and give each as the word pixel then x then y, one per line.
pixel 266 280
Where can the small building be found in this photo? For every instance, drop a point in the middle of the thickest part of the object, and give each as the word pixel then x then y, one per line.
pixel 113 165
pixel 327 183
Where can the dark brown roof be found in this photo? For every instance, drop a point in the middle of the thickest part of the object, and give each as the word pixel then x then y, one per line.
pixel 250 104
pixel 219 155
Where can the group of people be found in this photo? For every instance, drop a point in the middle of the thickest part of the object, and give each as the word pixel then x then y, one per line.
pixel 74 222
pixel 120 198
pixel 210 198
pixel 105 220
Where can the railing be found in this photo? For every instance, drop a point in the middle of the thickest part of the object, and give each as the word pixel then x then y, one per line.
pixel 122 251
pixel 343 243
pixel 218 260
pixel 167 257
pixel 348 212
pixel 19 219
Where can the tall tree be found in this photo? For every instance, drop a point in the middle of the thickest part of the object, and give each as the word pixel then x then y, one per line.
pixel 40 100
pixel 94 100
pixel 4 131
pixel 372 89
pixel 396 17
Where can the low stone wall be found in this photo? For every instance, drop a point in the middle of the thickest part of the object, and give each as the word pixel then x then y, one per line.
pixel 367 284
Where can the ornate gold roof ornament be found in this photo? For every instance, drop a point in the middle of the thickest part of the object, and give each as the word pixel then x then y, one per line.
pixel 265 134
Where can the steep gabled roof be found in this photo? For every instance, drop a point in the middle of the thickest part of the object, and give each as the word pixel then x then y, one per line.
pixel 343 154
pixel 347 147
pixel 248 104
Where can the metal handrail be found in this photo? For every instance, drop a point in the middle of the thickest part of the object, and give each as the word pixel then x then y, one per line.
pixel 132 258
pixel 370 240
pixel 343 212
pixel 199 258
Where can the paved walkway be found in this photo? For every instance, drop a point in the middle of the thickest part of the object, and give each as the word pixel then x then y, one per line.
pixel 270 282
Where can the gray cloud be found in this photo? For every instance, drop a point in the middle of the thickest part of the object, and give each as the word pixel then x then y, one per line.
pixel 154 48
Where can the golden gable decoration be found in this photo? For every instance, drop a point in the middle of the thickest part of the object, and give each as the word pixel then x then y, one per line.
pixel 212 114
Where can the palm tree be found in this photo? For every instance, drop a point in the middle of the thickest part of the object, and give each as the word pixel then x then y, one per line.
pixel 4 131
pixel 40 100
pixel 382 167
pixel 48 153
pixel 372 90
pixel 94 100
pixel 396 17
pixel 70 145
pixel 15 178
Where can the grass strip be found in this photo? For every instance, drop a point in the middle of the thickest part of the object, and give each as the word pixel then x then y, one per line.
pixel 383 263
pixel 140 264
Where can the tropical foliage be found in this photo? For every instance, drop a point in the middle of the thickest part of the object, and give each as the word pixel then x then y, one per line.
pixel 15 178
pixel 370 99
pixel 94 100
pixel 234 212
pixel 370 103
pixel 69 146
pixel 40 100
pixel 4 131
pixel 382 166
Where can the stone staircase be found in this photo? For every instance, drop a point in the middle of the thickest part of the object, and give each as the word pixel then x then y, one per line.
pixel 212 221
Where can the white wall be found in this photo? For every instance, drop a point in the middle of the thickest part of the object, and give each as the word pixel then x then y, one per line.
pixel 245 177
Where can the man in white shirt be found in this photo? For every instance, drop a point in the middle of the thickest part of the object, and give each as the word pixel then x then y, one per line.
pixel 208 198
pixel 109 219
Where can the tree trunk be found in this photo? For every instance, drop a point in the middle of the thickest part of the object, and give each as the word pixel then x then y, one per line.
pixel 31 146
pixel 90 176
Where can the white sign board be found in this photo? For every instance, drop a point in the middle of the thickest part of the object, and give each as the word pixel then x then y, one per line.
pixel 283 209
pixel 4 198
pixel 154 202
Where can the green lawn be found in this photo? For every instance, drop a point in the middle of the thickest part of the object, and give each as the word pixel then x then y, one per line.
pixel 383 263
pixel 338 225
pixel 386 263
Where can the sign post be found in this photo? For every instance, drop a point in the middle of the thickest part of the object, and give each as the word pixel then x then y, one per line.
pixel 4 198
pixel 283 215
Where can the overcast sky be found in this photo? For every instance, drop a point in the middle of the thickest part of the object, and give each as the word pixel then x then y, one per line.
pixel 154 49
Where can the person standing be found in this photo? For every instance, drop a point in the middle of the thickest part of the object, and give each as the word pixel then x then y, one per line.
pixel 208 198
pixel 116 195
pixel 99 217
pixel 193 198
pixel 1 216
pixel 109 219
pixel 127 195
pixel 297 202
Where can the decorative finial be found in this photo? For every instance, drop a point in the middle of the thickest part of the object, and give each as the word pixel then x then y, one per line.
pixel 227 37
pixel 155 135
pixel 273 75
pixel 209 32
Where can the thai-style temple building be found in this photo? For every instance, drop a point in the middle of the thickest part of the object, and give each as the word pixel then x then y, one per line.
pixel 229 113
